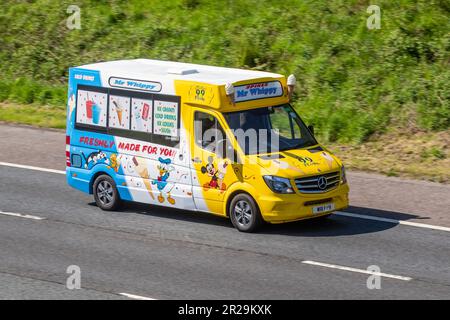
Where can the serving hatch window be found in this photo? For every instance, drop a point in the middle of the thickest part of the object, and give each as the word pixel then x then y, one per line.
pixel 136 115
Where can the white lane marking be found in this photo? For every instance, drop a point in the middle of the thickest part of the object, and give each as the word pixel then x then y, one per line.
pixel 334 266
pixel 21 166
pixel 406 223
pixel 136 297
pixel 20 215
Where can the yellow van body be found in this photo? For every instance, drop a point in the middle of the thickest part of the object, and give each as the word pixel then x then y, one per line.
pixel 106 100
pixel 248 176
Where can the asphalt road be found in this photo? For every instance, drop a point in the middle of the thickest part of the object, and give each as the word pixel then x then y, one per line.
pixel 171 254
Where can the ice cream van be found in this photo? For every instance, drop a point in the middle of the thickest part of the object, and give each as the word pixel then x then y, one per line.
pixel 201 138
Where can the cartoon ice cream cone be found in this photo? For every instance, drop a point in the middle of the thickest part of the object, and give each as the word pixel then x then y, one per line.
pixel 142 171
pixel 72 103
pixel 119 111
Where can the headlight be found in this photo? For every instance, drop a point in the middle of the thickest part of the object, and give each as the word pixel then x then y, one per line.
pixel 278 184
pixel 343 177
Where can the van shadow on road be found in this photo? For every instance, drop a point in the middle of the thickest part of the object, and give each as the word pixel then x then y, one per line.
pixel 385 213
pixel 332 226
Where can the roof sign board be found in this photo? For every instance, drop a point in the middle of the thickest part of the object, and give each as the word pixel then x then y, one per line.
pixel 256 91
pixel 135 84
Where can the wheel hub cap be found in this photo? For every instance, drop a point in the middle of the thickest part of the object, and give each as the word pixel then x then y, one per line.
pixel 243 212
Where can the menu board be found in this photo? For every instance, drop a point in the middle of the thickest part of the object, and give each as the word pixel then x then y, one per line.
pixel 165 120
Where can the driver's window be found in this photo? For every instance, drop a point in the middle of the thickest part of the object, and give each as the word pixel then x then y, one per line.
pixel 284 121
pixel 208 131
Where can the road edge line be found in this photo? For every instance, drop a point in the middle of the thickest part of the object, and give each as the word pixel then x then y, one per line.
pixel 22 166
pixel 21 215
pixel 406 223
pixel 344 268
pixel 134 296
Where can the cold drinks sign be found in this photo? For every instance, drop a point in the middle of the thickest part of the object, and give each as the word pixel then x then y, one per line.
pixel 166 118
pixel 257 91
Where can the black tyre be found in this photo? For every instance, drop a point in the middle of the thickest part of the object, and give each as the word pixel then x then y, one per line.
pixel 244 213
pixel 105 193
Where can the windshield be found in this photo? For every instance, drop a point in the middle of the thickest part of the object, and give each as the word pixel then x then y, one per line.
pixel 269 129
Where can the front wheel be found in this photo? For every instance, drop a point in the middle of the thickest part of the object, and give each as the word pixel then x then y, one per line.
pixel 244 213
pixel 105 193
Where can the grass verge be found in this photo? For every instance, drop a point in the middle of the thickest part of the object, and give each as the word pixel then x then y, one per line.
pixel 40 116
pixel 417 155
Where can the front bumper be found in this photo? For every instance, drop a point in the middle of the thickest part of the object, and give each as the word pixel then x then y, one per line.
pixel 277 208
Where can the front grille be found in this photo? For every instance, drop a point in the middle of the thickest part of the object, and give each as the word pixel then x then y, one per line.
pixel 316 202
pixel 318 184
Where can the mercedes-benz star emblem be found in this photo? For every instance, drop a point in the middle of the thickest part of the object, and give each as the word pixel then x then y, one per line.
pixel 322 183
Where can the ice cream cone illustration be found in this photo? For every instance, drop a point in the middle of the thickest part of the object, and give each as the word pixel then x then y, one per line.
pixel 149 188
pixel 71 103
pixel 119 112
pixel 142 171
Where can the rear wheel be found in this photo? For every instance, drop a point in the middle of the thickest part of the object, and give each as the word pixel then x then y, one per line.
pixel 105 193
pixel 244 213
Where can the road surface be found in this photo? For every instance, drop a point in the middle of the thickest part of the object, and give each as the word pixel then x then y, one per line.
pixel 161 253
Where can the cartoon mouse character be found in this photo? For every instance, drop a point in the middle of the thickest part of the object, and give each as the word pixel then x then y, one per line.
pixel 164 168
pixel 216 174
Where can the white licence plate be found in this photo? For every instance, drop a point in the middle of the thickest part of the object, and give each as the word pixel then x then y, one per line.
pixel 323 208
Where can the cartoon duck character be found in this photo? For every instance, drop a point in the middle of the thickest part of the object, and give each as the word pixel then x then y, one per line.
pixel 114 162
pixel 164 168
pixel 216 174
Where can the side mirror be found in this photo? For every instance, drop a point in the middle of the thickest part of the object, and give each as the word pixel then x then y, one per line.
pixel 311 129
